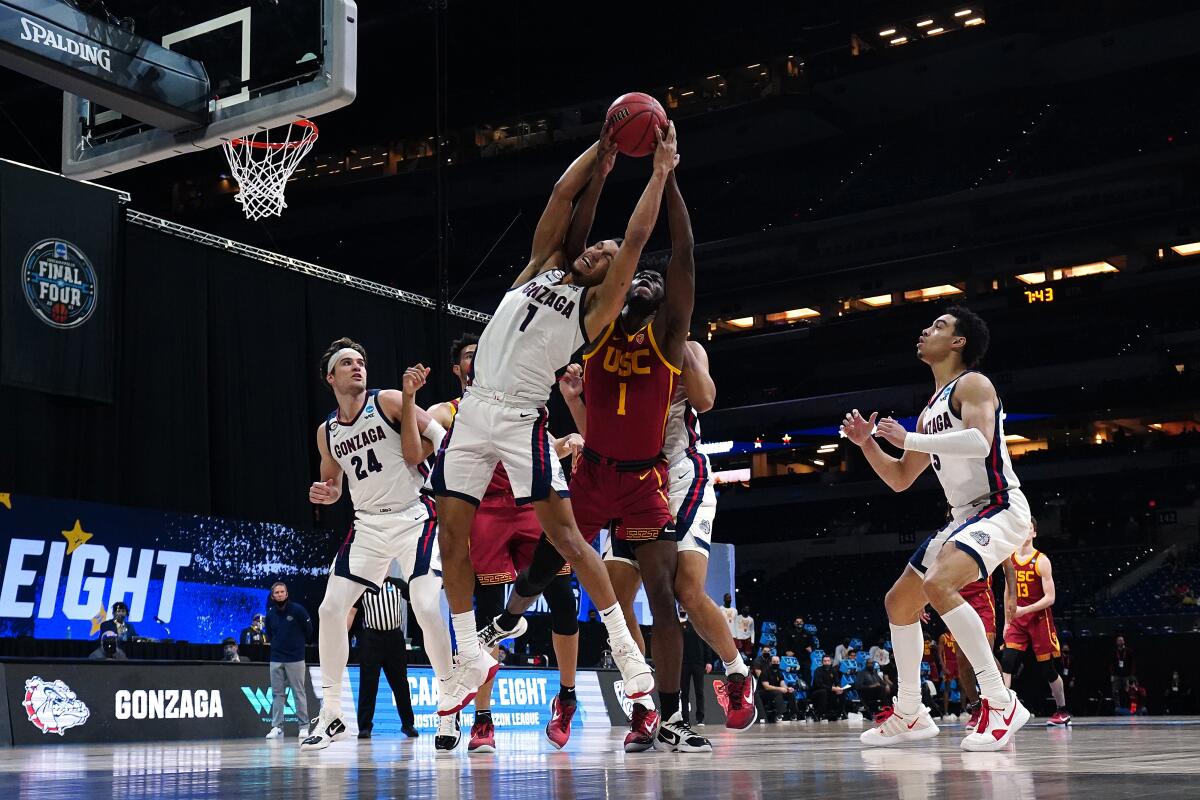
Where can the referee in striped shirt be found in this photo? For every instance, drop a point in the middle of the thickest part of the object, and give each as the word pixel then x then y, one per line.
pixel 381 645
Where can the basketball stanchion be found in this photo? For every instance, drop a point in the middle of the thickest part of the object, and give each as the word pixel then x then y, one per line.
pixel 262 167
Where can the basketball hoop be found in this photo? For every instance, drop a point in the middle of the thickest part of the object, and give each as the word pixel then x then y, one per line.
pixel 262 167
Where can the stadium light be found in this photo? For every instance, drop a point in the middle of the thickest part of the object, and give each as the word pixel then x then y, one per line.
pixel 741 322
pixel 876 301
pixel 971 23
pixel 888 32
pixel 935 31
pixel 899 40
pixel 924 23
pixel 793 315
pixel 932 292
pixel 1032 277
pixel 1189 249
pixel 1094 268
pixel 1015 438
pixel 964 13
pixel 827 448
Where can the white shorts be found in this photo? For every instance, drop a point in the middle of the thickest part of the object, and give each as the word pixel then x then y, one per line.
pixel 407 536
pixel 692 500
pixel 486 431
pixel 988 532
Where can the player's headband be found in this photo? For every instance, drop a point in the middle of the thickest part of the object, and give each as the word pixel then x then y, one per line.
pixel 338 356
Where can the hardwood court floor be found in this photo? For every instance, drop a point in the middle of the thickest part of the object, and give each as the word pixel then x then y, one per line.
pixel 1096 759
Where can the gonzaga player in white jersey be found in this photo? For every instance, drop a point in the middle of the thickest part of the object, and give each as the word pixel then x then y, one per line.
pixel 555 306
pixel 961 433
pixel 380 440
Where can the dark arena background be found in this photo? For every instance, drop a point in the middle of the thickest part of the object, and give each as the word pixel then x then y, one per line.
pixel 851 170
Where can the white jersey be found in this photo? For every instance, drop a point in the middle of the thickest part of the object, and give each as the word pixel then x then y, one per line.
pixel 683 427
pixel 969 480
pixel 368 451
pixel 532 335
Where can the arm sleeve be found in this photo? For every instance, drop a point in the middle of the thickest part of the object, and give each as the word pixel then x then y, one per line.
pixel 969 443
pixel 434 432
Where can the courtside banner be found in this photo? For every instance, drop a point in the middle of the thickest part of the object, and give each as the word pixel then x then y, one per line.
pixel 55 702
pixel 60 254
pixel 63 563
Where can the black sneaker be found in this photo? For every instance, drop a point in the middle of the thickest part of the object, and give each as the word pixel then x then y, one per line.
pixel 492 634
pixel 674 735
pixel 326 729
pixel 449 732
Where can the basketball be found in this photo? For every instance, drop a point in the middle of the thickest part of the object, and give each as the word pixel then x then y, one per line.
pixel 632 118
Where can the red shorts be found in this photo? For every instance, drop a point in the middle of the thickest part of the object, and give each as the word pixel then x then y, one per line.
pixel 984 602
pixel 637 501
pixel 1036 631
pixel 503 538
pixel 950 666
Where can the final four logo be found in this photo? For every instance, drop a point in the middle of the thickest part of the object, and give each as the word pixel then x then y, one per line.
pixel 60 284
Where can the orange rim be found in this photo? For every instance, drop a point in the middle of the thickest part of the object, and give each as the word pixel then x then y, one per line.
pixel 309 138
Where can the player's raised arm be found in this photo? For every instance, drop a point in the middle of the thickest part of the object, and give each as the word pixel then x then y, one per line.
pixel 551 229
pixel 585 209
pixel 606 300
pixel 570 385
pixel 897 473
pixel 680 281
pixel 701 389
pixel 326 491
pixel 979 401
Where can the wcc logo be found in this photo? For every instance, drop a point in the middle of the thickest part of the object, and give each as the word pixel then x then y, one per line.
pixel 261 701
pixel 60 283
pixel 52 707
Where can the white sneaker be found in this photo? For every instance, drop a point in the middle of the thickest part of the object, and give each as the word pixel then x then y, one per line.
pixel 894 728
pixel 492 634
pixel 326 729
pixel 303 732
pixel 275 733
pixel 449 732
pixel 674 736
pixel 996 725
pixel 638 677
pixel 463 683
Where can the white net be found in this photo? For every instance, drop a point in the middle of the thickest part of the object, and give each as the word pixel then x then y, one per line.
pixel 262 167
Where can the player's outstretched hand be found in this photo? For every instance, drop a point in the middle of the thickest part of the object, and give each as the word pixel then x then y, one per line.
pixel 414 378
pixel 666 149
pixel 325 494
pixel 892 431
pixel 606 154
pixel 571 383
pixel 857 429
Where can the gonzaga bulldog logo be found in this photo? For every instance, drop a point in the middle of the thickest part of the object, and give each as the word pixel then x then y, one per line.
pixel 60 283
pixel 52 707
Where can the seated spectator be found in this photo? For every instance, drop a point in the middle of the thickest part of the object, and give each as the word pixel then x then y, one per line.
pixel 230 651
pixel 827 691
pixel 1178 697
pixel 775 694
pixel 109 649
pixel 1132 702
pixel 119 624
pixel 879 653
pixel 872 688
pixel 839 652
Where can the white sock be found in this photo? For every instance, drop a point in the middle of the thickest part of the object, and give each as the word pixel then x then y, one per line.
pixel 908 645
pixel 736 667
pixel 645 702
pixel 465 634
pixel 614 621
pixel 967 629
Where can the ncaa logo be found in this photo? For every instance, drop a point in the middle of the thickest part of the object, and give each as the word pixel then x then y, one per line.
pixel 60 283
pixel 52 707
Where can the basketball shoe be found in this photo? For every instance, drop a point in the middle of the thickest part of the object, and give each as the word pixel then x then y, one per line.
pixel 463 683
pixel 996 725
pixel 558 729
pixel 449 732
pixel 643 727
pixel 735 695
pixel 326 729
pixel 638 677
pixel 973 721
pixel 674 735
pixel 492 634
pixel 274 733
pixel 1061 718
pixel 483 735
pixel 891 728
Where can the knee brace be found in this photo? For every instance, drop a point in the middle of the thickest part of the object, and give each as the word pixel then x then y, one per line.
pixel 489 602
pixel 1010 659
pixel 1049 672
pixel 544 565
pixel 564 611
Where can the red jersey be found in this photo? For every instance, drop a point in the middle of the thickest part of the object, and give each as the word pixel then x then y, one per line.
pixel 1029 579
pixel 499 491
pixel 628 385
pixel 976 588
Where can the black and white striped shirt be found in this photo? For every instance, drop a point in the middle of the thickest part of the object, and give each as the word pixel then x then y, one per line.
pixel 383 610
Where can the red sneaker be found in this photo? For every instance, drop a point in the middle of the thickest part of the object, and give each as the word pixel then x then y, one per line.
pixel 973 722
pixel 558 729
pixel 643 727
pixel 1061 718
pixel 735 695
pixel 483 736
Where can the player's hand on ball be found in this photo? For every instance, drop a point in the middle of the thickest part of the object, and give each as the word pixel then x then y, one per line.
pixel 892 431
pixel 326 493
pixel 606 154
pixel 666 150
pixel 571 383
pixel 414 378
pixel 857 429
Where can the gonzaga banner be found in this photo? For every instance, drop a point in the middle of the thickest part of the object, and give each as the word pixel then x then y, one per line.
pixel 186 577
pixel 59 264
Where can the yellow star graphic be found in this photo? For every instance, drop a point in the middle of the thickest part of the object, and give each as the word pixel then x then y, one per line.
pixel 76 536
pixel 6 500
pixel 98 620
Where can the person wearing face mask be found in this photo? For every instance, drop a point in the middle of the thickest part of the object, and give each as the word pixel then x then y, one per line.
pixel 119 624
pixel 109 649
pixel 288 627
pixel 255 634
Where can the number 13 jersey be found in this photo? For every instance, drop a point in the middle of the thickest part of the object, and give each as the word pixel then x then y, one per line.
pixel 533 334
pixel 368 451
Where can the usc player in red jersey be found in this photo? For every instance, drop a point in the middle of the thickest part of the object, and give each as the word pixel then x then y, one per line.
pixel 504 537
pixel 1032 626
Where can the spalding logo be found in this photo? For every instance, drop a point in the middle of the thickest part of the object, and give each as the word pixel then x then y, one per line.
pixel 53 707
pixel 626 703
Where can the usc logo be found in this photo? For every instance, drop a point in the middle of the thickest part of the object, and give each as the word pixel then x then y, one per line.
pixel 626 364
